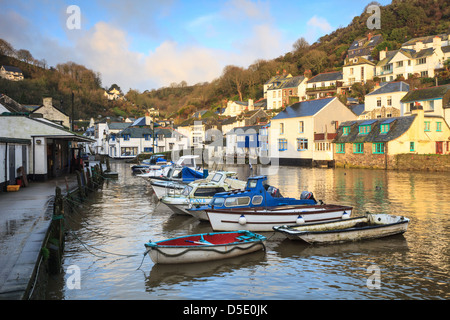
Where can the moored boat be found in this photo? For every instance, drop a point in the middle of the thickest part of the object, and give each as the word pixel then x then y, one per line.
pixel 201 192
pixel 204 247
pixel 256 194
pixel 265 218
pixel 370 226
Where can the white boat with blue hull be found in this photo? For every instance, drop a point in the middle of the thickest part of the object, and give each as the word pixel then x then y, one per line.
pixel 200 193
pixel 256 194
pixel 370 226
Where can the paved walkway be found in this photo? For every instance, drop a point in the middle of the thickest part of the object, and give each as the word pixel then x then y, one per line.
pixel 25 218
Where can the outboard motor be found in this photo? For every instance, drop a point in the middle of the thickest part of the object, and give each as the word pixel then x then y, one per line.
pixel 306 195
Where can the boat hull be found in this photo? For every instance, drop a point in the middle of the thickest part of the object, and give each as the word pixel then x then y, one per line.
pixel 266 219
pixel 356 229
pixel 196 252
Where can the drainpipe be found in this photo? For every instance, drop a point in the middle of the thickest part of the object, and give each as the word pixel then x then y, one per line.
pixel 6 165
pixel 34 159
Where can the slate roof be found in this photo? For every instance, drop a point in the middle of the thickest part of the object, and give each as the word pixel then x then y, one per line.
pixel 394 86
pixel 245 129
pixel 118 125
pixel 357 109
pixel 303 108
pixel 12 69
pixel 293 82
pixel 326 76
pixel 426 93
pixel 398 126
pixel 426 39
pixel 410 53
pixel 374 40
pixel 135 132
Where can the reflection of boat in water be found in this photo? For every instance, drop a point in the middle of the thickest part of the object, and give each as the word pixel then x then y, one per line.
pixel 169 274
pixel 299 249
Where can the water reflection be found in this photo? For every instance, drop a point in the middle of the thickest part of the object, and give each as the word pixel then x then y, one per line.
pixel 107 235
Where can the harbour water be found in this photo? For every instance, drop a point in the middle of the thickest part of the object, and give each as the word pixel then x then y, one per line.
pixel 106 235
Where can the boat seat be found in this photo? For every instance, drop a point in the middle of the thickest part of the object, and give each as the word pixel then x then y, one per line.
pixel 243 238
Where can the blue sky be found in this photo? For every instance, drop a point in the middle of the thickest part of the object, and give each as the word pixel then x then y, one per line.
pixel 148 44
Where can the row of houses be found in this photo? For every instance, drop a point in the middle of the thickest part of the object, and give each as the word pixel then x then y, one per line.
pixel 419 57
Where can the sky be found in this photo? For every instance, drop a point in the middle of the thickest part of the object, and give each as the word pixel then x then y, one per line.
pixel 149 44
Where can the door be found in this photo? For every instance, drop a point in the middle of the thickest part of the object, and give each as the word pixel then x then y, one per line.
pixel 439 147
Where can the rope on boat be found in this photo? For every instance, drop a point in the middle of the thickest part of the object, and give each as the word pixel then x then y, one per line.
pixel 207 248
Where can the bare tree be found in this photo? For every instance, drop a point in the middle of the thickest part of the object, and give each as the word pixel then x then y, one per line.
pixel 6 48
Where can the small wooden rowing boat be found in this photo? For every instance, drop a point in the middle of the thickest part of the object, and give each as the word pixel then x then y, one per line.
pixel 370 226
pixel 264 219
pixel 205 247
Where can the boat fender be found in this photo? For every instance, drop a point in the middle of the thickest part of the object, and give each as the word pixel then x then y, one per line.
pixel 345 215
pixel 242 220
pixel 300 220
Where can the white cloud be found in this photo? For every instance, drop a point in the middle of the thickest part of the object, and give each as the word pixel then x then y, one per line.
pixel 317 27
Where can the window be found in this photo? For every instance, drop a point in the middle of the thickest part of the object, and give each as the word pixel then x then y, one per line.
pixel 126 137
pixel 148 149
pixel 302 144
pixel 345 131
pixel 358 148
pixel 421 61
pixel 412 147
pixel 282 144
pixel 281 128
pixel 364 129
pixel 427 126
pixel 389 101
pixel 378 102
pixel 431 105
pixel 378 148
pixel 399 64
pixel 439 126
pixel 147 137
pixel 301 127
pixel 208 192
pixel 340 147
pixel 237 201
pixel 113 137
pixel 424 74
pixel 257 200
pixel 384 128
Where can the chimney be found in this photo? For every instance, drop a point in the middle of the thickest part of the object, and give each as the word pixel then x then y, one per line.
pixel 250 105
pixel 419 46
pixel 369 36
pixel 418 110
pixel 437 42
pixel 47 102
pixel 383 54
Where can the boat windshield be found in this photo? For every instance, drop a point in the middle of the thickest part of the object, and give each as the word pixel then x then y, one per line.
pixel 186 191
pixel 216 177
pixel 252 183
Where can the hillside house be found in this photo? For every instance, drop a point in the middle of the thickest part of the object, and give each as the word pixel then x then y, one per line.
pixel 414 59
pixel 384 102
pixel 274 82
pixel 363 47
pixel 293 90
pixel 11 73
pixel 435 101
pixel 357 70
pixel 323 85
